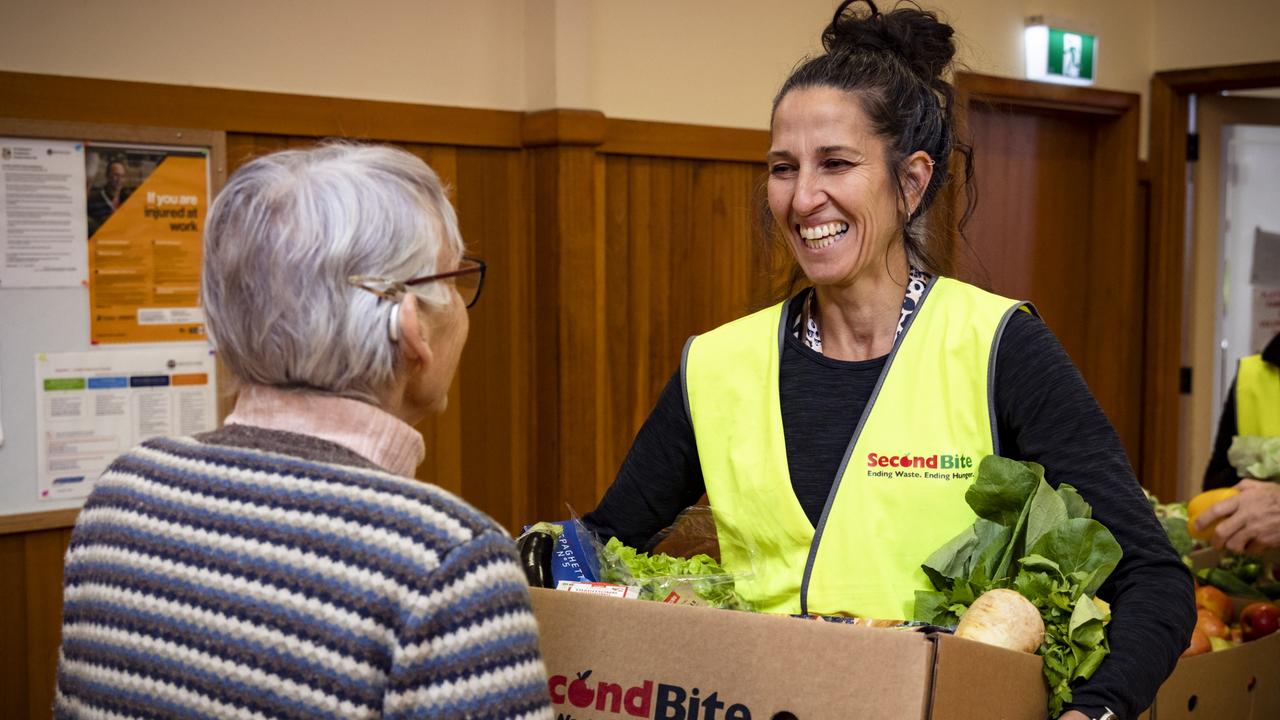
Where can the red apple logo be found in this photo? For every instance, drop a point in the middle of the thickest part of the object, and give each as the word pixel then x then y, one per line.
pixel 579 694
pixel 1259 619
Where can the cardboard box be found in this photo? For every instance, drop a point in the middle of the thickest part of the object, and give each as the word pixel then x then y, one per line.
pixel 609 658
pixel 1242 682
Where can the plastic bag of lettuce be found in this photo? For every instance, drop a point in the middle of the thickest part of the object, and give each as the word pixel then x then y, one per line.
pixel 1255 456
pixel 696 580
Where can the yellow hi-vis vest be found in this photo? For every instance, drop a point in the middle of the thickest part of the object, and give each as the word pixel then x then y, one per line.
pixel 899 493
pixel 1257 397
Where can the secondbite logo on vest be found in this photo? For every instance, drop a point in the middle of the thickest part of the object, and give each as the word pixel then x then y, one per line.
pixel 938 466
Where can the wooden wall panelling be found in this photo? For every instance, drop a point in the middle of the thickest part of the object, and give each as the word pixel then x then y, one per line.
pixel 496 372
pixel 672 258
pixel 14 669
pixel 680 260
pixel 44 613
pixel 30 620
pixel 628 280
pixel 570 377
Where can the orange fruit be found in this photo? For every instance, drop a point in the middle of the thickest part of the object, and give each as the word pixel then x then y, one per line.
pixel 1199 644
pixel 1215 601
pixel 1211 625
pixel 1202 502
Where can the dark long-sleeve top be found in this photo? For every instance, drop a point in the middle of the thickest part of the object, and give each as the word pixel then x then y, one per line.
pixel 1219 473
pixel 1045 413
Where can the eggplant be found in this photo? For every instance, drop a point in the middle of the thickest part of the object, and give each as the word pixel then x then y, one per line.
pixel 535 548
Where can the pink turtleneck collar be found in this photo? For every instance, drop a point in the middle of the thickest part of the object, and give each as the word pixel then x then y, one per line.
pixel 375 434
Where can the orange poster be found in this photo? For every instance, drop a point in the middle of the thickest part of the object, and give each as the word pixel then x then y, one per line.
pixel 146 210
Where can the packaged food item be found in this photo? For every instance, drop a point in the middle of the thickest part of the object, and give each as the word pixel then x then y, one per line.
pixel 535 547
pixel 577 556
pixel 1255 456
pixel 626 592
pixel 697 580
pixel 554 551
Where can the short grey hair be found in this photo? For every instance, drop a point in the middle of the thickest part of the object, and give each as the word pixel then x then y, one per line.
pixel 282 239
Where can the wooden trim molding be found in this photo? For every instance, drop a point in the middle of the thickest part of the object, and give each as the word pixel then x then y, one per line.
pixel 31 522
pixel 1221 77
pixel 76 99
pixel 702 142
pixel 563 127
pixel 1026 93
pixel 118 102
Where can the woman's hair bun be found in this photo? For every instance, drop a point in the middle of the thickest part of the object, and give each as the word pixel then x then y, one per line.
pixel 915 35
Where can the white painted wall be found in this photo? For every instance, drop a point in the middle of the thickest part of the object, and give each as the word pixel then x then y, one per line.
pixel 715 62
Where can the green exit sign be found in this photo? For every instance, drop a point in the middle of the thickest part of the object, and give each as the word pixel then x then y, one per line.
pixel 1061 56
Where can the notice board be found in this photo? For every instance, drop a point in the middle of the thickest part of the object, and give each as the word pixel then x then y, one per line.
pixel 102 338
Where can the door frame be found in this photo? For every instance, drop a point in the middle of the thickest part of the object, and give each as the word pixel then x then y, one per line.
pixel 1162 341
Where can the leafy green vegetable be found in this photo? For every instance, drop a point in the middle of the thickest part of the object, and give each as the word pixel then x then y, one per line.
pixel 1255 456
pixel 1173 518
pixel 1041 542
pixel 551 529
pixel 658 574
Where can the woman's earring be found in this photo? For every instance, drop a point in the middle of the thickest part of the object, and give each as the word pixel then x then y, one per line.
pixel 393 323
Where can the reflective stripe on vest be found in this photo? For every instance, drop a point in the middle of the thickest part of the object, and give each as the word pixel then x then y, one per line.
pixel 899 493
pixel 1257 397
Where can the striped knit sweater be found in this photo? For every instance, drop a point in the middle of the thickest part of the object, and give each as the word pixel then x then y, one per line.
pixel 254 573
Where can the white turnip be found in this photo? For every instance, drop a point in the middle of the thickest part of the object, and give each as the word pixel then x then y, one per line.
pixel 1003 618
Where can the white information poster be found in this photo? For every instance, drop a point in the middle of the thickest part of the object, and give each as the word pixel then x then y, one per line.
pixel 93 406
pixel 43 226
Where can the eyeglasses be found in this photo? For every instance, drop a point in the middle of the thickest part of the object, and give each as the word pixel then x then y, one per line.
pixel 468 279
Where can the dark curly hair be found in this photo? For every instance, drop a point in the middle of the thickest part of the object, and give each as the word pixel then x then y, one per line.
pixel 894 63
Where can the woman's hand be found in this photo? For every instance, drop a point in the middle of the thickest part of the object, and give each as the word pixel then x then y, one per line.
pixel 1073 715
pixel 1250 520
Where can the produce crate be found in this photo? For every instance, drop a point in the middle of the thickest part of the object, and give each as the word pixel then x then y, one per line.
pixel 1240 682
pixel 611 658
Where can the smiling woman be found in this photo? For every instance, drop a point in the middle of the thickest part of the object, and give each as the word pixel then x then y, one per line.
pixel 787 418
pixel 833 194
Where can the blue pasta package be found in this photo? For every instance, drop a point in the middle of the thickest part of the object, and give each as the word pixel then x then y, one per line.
pixel 575 556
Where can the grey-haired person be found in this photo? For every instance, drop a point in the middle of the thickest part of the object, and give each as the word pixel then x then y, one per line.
pixel 288 564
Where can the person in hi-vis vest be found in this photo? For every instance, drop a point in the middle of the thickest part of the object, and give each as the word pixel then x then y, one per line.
pixel 835 433
pixel 1250 520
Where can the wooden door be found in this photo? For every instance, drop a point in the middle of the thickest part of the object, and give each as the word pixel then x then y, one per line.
pixel 1056 223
